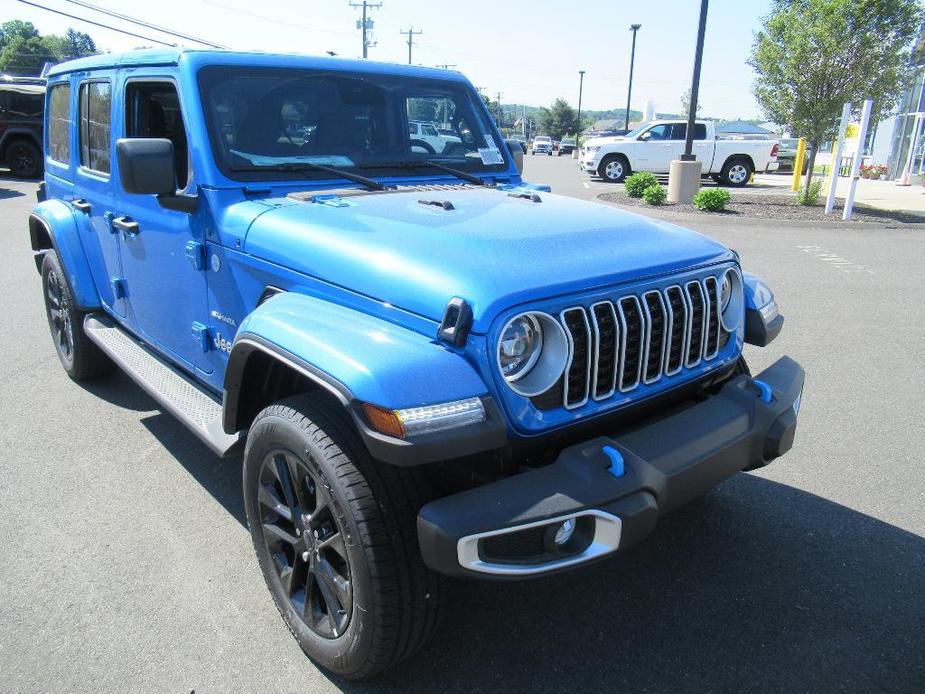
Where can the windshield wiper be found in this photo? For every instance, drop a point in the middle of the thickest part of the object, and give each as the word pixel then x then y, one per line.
pixel 425 163
pixel 303 166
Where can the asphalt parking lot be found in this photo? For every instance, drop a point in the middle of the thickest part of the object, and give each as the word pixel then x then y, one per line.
pixel 125 563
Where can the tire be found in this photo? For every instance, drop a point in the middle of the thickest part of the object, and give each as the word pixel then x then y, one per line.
pixel 357 562
pixel 614 168
pixel 80 357
pixel 24 159
pixel 737 172
pixel 423 145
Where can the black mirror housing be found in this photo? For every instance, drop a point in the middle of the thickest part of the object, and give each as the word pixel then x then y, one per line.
pixel 146 165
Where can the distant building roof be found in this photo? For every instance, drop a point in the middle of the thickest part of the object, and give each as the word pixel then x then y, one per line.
pixel 741 127
pixel 605 124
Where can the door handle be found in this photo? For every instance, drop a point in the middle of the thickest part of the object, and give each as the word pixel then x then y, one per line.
pixel 127 225
pixel 81 205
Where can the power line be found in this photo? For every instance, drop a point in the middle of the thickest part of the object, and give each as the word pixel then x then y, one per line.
pixel 147 25
pixel 411 34
pixel 98 24
pixel 366 24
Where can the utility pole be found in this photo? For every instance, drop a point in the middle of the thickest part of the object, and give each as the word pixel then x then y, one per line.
pixel 365 24
pixel 411 33
pixel 629 92
pixel 695 84
pixel 581 84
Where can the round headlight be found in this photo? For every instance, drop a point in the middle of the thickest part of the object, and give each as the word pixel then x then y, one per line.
pixel 520 346
pixel 532 352
pixel 731 300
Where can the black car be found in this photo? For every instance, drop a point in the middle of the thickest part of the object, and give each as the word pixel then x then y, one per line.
pixel 567 145
pixel 22 109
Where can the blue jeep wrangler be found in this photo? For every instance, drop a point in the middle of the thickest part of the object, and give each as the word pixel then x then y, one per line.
pixel 433 367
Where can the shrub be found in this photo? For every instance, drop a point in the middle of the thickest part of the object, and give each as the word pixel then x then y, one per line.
pixel 810 197
pixel 712 199
pixel 637 183
pixel 654 195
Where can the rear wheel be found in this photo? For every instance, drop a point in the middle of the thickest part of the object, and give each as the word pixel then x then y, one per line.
pixel 80 357
pixel 24 159
pixel 335 536
pixel 737 172
pixel 614 168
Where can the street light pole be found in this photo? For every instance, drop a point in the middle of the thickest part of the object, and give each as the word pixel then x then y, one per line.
pixel 581 84
pixel 629 92
pixel 695 85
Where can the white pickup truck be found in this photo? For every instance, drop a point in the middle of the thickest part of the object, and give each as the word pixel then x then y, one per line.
pixel 652 146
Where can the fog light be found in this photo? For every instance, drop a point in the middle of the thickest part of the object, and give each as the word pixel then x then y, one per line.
pixel 564 532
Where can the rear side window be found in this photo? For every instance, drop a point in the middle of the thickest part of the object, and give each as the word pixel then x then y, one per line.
pixel 95 118
pixel 59 123
pixel 679 131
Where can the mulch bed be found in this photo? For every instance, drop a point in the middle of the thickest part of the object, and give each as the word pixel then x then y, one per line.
pixel 770 206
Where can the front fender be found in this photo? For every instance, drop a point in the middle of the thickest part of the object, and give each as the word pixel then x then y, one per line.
pixel 763 320
pixel 52 225
pixel 374 360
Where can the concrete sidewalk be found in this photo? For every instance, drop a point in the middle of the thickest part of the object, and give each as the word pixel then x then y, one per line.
pixel 884 195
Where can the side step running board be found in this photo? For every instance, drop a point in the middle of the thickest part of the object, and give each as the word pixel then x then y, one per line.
pixel 172 390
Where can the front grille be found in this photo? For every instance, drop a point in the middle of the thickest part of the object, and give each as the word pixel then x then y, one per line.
pixel 616 345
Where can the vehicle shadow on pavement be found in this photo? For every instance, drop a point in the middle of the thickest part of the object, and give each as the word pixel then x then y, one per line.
pixel 757 587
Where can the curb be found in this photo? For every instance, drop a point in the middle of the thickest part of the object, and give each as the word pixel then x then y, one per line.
pixel 738 220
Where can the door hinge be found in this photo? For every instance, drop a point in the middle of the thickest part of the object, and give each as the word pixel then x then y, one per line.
pixel 201 336
pixel 118 287
pixel 196 254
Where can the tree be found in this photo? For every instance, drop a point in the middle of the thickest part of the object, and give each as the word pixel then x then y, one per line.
pixel 24 51
pixel 812 56
pixel 686 103
pixel 74 44
pixel 558 120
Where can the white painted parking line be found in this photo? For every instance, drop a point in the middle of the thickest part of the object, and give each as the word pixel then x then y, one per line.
pixel 834 260
pixel 585 184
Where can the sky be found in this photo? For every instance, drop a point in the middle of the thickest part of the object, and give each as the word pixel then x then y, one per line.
pixel 529 51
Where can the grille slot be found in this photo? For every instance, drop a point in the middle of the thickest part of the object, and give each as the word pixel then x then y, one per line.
pixel 578 370
pixel 606 349
pixel 712 340
pixel 676 339
pixel 616 345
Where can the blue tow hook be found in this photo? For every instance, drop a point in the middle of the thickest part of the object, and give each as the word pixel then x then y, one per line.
pixel 617 469
pixel 766 394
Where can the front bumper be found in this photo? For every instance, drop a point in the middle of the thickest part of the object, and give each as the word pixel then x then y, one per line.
pixel 613 487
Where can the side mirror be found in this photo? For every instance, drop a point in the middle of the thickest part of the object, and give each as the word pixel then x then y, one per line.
pixel 146 167
pixel 645 136
pixel 518 153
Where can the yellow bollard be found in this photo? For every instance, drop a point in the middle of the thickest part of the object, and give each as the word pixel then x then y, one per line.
pixel 798 165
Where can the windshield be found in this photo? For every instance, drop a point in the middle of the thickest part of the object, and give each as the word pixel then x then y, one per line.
pixel 381 124
pixel 637 131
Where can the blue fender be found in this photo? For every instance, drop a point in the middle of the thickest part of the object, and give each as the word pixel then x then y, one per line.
pixel 763 320
pixel 52 222
pixel 358 355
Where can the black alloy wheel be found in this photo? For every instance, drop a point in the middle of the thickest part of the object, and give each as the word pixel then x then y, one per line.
pixel 306 542
pixel 57 304
pixel 24 159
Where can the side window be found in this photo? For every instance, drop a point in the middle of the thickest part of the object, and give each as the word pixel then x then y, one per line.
pixel 429 130
pixel 412 128
pixel 700 131
pixel 152 109
pixel 660 132
pixel 95 119
pixel 439 116
pixel 679 131
pixel 59 123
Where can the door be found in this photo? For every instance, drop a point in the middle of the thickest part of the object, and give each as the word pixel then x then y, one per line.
pixel 93 197
pixel 161 248
pixel 655 149
pixel 430 135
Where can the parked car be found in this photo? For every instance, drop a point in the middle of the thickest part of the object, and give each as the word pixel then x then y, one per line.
pixel 434 367
pixel 521 141
pixel 22 102
pixel 567 145
pixel 542 144
pixel 787 154
pixel 652 147
pixel 427 137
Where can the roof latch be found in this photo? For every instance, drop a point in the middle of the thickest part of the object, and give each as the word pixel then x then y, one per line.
pixel 532 197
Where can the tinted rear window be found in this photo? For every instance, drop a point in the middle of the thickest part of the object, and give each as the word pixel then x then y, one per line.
pixel 59 123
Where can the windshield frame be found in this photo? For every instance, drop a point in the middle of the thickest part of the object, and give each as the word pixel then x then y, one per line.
pixel 475 108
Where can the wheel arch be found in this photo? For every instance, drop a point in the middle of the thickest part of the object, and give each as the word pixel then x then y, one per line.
pixel 15 135
pixel 52 227
pixel 732 157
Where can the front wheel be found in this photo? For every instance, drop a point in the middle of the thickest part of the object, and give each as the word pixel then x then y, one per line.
pixel 737 172
pixel 613 169
pixel 335 536
pixel 80 357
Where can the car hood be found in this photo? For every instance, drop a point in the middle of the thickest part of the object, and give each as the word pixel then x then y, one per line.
pixel 494 250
